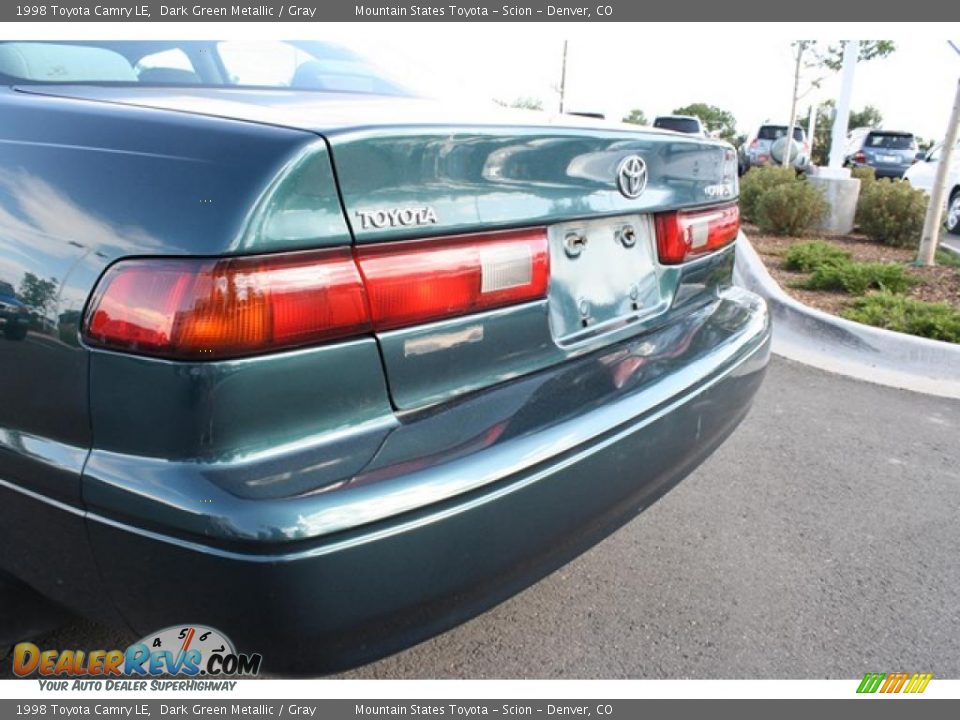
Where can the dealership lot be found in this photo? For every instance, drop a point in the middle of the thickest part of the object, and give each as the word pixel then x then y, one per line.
pixel 820 541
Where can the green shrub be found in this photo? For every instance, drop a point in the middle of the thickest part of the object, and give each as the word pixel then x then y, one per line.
pixel 947 258
pixel 808 256
pixel 864 174
pixel 857 278
pixel 937 321
pixel 791 209
pixel 892 212
pixel 756 182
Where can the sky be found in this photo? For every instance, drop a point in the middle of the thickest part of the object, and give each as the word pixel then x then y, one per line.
pixel 613 68
pixel 745 68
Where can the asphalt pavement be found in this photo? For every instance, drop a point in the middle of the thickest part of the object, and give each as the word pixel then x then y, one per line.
pixel 822 540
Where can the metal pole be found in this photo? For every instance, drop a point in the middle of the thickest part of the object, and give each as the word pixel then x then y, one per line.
pixel 931 225
pixel 793 107
pixel 563 76
pixel 838 143
pixel 812 128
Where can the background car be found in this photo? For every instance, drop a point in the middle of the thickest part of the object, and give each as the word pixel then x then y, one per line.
pixel 890 153
pixel 922 173
pixel 768 145
pixel 14 315
pixel 687 124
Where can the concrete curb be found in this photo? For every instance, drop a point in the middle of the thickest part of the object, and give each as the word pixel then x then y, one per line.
pixel 841 346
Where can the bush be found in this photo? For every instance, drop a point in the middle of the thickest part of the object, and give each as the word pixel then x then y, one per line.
pixel 937 321
pixel 947 258
pixel 857 278
pixel 892 212
pixel 808 256
pixel 755 184
pixel 865 174
pixel 791 209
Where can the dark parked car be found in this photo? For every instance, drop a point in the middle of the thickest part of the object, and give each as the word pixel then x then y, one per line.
pixel 14 314
pixel 331 368
pixel 888 152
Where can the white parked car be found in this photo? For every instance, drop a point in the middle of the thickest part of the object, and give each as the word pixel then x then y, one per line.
pixel 921 176
pixel 687 124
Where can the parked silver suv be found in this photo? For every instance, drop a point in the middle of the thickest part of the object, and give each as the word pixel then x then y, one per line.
pixel 769 144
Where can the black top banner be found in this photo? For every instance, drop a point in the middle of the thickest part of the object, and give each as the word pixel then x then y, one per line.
pixel 743 11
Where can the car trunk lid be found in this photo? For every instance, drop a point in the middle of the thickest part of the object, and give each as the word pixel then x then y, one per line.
pixel 418 185
pixel 410 171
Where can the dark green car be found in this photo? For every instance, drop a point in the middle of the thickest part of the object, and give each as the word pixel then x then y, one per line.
pixel 332 368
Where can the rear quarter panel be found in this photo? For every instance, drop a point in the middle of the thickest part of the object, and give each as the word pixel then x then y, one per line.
pixel 83 184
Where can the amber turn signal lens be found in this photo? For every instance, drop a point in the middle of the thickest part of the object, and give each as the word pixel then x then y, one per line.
pixel 203 308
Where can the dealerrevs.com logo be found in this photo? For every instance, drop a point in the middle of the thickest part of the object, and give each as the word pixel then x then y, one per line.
pixel 179 651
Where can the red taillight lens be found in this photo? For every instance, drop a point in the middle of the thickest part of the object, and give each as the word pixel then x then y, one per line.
pixel 417 282
pixel 860 158
pixel 754 144
pixel 684 234
pixel 201 308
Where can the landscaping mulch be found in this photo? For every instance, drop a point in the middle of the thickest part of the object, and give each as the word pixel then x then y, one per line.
pixel 936 284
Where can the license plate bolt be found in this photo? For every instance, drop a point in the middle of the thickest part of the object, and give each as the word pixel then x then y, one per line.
pixel 627 236
pixel 574 243
pixel 583 306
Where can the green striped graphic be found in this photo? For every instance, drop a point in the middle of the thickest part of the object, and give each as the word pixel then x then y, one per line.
pixel 871 682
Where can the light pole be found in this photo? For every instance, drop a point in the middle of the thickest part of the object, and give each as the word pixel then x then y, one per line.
pixel 931 224
pixel 839 189
pixel 563 76
pixel 812 128
pixel 838 142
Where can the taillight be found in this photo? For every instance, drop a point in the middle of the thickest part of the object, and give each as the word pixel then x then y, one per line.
pixel 416 282
pixel 684 234
pixel 204 308
pixel 860 157
pixel 753 145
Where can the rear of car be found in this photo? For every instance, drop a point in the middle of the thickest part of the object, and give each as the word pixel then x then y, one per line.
pixel 889 153
pixel 14 314
pixel 687 124
pixel 769 145
pixel 342 369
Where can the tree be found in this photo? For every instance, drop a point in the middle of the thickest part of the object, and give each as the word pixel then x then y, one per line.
pixel 522 103
pixel 811 57
pixel 37 292
pixel 832 56
pixel 636 117
pixel 868 117
pixel 823 134
pixel 716 120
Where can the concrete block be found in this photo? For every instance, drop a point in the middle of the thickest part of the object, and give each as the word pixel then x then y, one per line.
pixel 841 194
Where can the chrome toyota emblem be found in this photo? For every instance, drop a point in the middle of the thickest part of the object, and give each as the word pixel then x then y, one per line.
pixel 632 176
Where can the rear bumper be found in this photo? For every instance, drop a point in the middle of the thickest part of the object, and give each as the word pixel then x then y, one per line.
pixel 343 598
pixel 462 506
pixel 885 171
